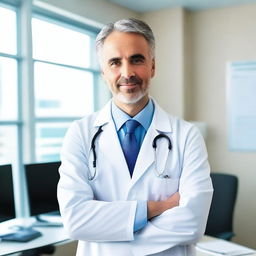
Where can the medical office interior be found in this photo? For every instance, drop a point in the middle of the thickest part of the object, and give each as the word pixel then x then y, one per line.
pixel 50 77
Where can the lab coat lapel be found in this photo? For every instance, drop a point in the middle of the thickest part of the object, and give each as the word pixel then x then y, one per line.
pixel 160 124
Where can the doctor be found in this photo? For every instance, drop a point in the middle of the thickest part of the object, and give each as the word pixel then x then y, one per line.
pixel 120 194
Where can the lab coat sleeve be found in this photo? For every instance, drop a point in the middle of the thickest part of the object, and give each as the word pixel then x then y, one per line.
pixel 83 217
pixel 184 224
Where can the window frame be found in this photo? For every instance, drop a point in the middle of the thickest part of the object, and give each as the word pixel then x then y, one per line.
pixel 17 166
pixel 94 69
pixel 26 119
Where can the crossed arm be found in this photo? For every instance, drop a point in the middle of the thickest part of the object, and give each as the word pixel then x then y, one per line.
pixel 156 208
pixel 178 220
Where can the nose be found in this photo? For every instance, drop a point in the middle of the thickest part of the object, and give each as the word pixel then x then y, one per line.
pixel 127 70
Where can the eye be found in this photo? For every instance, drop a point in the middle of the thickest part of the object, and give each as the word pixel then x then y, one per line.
pixel 137 59
pixel 114 62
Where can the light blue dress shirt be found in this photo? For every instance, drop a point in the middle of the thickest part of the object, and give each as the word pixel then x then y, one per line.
pixel 144 117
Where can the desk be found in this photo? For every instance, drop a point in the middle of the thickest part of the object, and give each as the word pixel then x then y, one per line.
pixel 206 239
pixel 51 236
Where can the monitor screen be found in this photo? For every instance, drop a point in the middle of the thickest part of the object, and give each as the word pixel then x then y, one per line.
pixel 7 208
pixel 42 180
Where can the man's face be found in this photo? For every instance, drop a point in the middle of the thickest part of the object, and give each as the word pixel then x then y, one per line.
pixel 127 66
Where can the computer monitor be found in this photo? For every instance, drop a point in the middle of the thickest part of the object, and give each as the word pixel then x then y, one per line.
pixel 7 208
pixel 42 180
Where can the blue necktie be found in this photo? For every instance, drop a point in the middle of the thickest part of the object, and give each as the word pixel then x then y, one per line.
pixel 130 144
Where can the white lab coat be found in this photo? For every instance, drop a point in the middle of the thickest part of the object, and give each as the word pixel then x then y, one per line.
pixel 100 213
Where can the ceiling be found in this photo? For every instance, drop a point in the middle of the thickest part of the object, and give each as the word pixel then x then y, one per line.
pixel 153 5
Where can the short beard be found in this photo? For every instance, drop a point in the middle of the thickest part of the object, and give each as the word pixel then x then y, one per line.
pixel 136 98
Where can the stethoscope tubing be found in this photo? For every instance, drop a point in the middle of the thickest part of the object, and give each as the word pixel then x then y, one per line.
pixel 93 148
pixel 160 174
pixel 154 145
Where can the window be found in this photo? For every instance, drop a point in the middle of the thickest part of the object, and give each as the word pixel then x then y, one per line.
pixel 71 91
pixel 8 88
pixel 9 124
pixel 63 82
pixel 48 78
pixel 8 29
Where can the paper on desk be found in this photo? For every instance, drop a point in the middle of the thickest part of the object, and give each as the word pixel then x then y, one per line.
pixel 222 247
pixel 50 218
pixel 46 220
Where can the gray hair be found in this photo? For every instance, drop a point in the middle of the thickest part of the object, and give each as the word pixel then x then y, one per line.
pixel 127 26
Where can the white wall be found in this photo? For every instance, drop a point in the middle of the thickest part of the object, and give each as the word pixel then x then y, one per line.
pixel 168 85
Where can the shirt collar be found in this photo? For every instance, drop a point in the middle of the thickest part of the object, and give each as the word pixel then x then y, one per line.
pixel 144 117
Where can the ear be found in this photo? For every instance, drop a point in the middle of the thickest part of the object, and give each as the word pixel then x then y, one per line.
pixel 102 71
pixel 102 75
pixel 153 68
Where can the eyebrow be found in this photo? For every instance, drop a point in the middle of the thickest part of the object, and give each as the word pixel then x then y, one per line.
pixel 136 56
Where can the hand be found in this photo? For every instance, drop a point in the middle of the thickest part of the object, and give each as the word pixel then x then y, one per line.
pixel 157 207
pixel 173 200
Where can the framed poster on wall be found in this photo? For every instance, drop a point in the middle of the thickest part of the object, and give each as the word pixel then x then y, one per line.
pixel 241 99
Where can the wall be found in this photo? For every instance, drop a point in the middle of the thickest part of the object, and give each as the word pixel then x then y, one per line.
pixel 219 36
pixel 96 10
pixel 168 85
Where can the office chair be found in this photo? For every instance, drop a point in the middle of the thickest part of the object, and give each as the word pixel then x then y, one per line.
pixel 220 219
pixel 48 250
pixel 7 209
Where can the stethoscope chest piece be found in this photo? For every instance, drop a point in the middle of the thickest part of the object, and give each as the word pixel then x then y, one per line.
pixel 162 176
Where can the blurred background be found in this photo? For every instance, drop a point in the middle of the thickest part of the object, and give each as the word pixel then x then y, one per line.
pixel 49 76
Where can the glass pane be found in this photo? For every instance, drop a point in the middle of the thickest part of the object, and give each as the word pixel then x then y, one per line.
pixel 8 144
pixel 8 89
pixel 49 137
pixel 7 31
pixel 59 44
pixel 62 92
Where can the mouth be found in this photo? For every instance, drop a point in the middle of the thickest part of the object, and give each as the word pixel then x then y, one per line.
pixel 129 85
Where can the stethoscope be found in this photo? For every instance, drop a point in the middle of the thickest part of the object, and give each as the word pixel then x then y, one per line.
pixel 160 174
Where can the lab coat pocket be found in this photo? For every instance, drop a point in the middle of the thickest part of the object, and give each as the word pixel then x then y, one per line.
pixel 163 187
